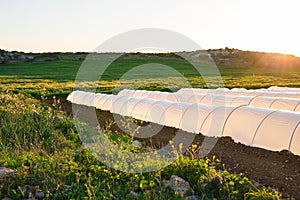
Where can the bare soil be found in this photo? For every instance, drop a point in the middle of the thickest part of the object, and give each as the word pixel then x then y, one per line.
pixel 280 170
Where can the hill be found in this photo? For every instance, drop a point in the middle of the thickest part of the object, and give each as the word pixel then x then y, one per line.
pixel 227 57
pixel 238 58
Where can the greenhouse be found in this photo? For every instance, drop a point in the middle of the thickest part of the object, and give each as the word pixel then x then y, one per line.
pixel 266 128
pixel 263 101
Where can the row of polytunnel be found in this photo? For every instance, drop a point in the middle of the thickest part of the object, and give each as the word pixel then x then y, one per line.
pixel 265 121
pixel 218 98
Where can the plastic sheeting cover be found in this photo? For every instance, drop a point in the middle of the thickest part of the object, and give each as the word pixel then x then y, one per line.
pixel 252 98
pixel 260 127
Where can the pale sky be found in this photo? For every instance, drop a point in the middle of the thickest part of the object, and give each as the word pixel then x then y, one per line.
pixel 82 25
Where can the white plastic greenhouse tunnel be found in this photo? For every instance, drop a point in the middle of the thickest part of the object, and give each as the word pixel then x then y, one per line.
pixel 280 103
pixel 252 120
pixel 289 93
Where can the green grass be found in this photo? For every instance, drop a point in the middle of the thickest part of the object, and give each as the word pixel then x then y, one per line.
pixel 46 152
pixel 61 70
pixel 57 77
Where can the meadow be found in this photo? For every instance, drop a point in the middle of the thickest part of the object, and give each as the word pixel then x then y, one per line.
pixel 49 162
pixel 47 154
pixel 56 78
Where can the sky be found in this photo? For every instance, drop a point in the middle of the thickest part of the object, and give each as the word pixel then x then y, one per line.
pixel 82 25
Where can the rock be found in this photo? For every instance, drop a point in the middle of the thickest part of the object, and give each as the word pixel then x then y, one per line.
pixel 6 172
pixel 58 118
pixel 40 195
pixel 28 190
pixel 67 187
pixel 256 183
pixel 114 197
pixel 165 153
pixel 193 197
pixel 52 190
pixel 134 194
pixel 136 143
pixel 39 165
pixel 179 184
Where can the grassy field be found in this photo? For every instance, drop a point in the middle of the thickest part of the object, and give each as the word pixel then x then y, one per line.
pixel 57 77
pixel 46 152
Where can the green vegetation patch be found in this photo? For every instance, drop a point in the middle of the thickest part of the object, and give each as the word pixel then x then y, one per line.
pixel 56 78
pixel 42 145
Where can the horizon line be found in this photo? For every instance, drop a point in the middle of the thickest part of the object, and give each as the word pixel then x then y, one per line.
pixel 90 52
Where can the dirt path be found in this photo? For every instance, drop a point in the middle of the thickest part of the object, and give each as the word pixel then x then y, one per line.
pixel 279 170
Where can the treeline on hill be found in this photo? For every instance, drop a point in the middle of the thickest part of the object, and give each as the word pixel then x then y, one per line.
pixel 12 57
pixel 227 57
pixel 237 58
